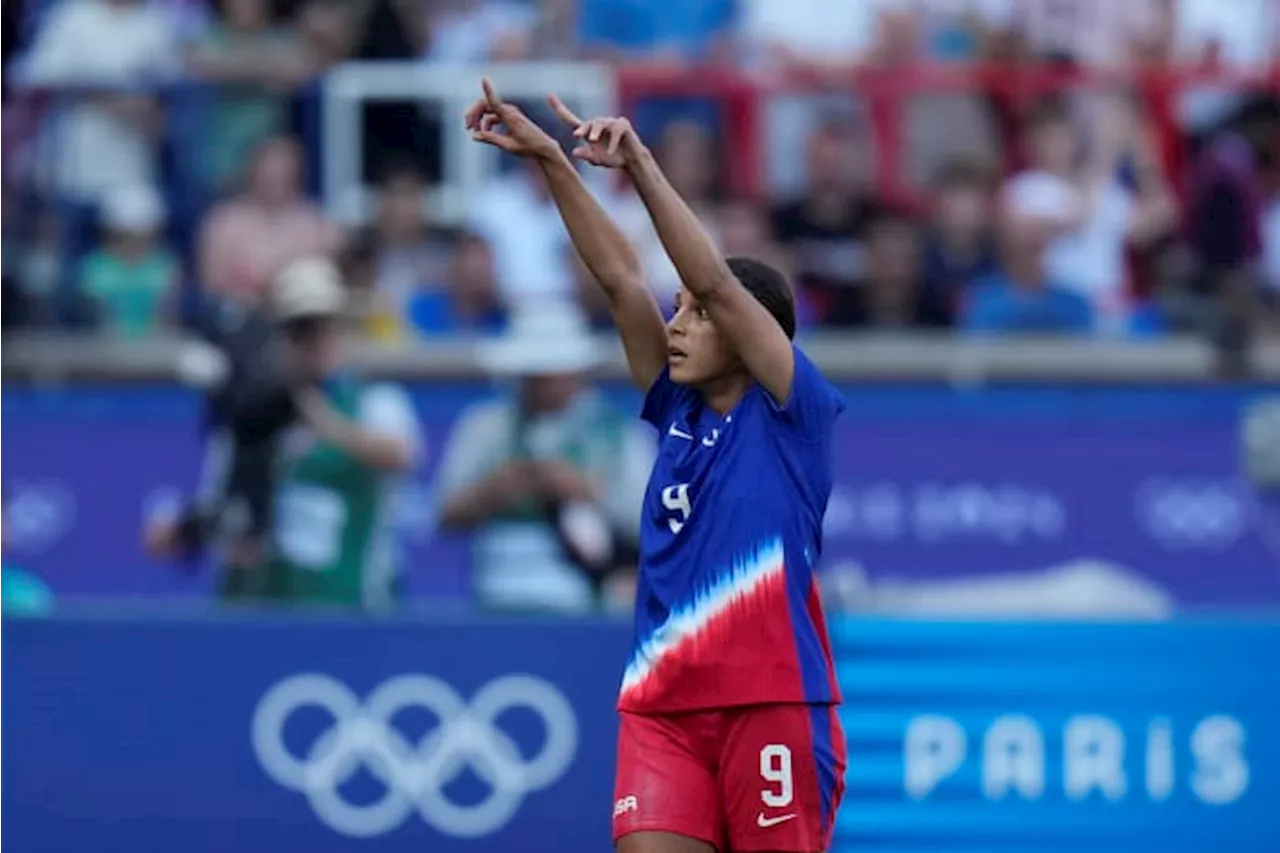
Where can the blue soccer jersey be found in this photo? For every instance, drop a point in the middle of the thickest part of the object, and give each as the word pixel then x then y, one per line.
pixel 727 608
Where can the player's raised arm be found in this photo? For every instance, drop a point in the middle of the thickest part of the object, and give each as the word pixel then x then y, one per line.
pixel 760 342
pixel 611 259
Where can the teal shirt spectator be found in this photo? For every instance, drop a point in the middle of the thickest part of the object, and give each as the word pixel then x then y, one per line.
pixel 997 305
pixel 244 114
pixel 130 292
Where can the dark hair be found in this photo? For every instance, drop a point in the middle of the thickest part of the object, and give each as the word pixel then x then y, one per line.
pixel 1047 112
pixel 962 173
pixel 359 251
pixel 770 288
pixel 400 170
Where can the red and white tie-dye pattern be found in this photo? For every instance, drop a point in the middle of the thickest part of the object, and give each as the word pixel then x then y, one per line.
pixel 722 645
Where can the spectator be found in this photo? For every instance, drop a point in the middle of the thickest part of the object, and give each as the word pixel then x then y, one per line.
pixel 17 308
pixel 409 257
pixel 246 240
pixel 960 245
pixel 809 33
pixel 328 31
pixel 515 215
pixel 555 33
pixel 1219 36
pixel 392 29
pixel 470 31
pixel 890 296
pixel 358 265
pixel 744 228
pixel 1097 33
pixel 655 30
pixel 396 129
pixel 532 472
pixel 106 52
pixel 132 277
pixel 34 262
pixel 468 302
pixel 255 66
pixel 1083 206
pixel 689 159
pixel 1225 241
pixel 824 228
pixel 1022 299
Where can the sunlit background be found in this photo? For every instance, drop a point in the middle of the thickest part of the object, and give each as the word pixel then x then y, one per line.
pixel 1036 243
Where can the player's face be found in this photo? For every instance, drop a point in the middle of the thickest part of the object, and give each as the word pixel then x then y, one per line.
pixel 697 353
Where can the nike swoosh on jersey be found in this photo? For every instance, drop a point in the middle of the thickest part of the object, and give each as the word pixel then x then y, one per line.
pixel 679 433
pixel 766 822
pixel 678 636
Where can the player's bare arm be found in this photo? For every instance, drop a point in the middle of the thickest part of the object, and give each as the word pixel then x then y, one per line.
pixel 760 342
pixel 612 260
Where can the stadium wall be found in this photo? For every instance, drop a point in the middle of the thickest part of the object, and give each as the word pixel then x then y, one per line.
pixel 464 735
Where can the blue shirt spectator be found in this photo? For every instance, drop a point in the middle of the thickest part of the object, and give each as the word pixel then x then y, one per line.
pixel 468 303
pixel 439 313
pixel 684 28
pixel 998 304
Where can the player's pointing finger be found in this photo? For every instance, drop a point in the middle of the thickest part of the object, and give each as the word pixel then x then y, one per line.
pixel 565 114
pixel 495 103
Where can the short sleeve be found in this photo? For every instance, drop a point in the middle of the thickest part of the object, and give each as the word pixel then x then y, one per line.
pixel 475 445
pixel 815 403
pixel 387 411
pixel 624 497
pixel 662 400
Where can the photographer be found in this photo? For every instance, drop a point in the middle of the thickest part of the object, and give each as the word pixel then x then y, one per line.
pixel 549 477
pixel 304 501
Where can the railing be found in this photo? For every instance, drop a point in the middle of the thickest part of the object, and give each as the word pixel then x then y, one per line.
pixel 888 89
pixel 589 88
pixel 42 357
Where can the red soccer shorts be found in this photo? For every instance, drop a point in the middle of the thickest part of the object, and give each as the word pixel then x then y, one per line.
pixel 756 778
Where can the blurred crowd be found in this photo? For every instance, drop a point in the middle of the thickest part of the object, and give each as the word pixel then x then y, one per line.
pixel 159 153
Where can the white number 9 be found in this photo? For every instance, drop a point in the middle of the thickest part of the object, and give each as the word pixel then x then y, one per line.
pixel 775 768
pixel 676 500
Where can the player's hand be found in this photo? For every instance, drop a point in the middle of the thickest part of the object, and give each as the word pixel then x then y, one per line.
pixel 503 125
pixel 608 142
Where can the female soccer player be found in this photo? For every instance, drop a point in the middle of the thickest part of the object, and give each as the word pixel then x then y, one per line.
pixel 729 738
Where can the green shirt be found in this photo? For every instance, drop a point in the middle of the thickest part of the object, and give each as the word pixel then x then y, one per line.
pixel 131 293
pixel 243 115
pixel 332 539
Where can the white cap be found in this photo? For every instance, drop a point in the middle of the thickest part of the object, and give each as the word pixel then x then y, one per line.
pixel 551 338
pixel 1040 195
pixel 311 287
pixel 134 207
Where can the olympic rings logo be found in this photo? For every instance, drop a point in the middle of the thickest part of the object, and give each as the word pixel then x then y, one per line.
pixel 414 775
